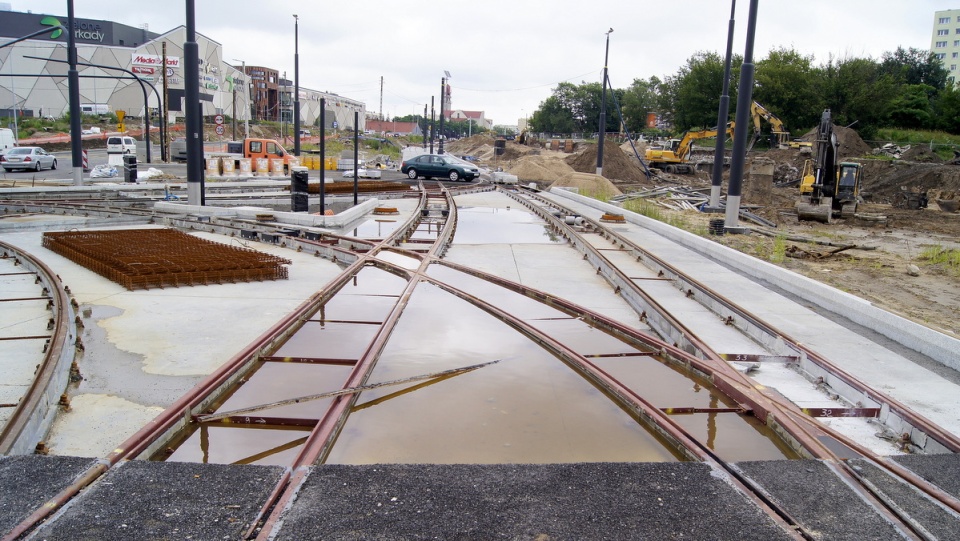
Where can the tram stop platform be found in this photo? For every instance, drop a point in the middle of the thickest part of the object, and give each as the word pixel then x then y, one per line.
pixel 682 500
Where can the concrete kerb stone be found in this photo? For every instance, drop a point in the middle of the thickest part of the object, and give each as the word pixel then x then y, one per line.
pixel 293 218
pixel 936 345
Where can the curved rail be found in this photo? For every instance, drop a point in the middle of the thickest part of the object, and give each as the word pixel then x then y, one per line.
pixel 35 412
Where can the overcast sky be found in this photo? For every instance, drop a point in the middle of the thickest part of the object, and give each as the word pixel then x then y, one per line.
pixel 505 57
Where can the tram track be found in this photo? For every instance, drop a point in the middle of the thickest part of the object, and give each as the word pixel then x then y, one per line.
pixel 687 353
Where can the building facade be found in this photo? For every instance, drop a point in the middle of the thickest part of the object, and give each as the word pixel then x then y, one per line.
pixel 33 75
pixel 945 40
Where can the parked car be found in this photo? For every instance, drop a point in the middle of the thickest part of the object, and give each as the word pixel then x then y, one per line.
pixel 430 166
pixel 178 149
pixel 27 158
pixel 121 144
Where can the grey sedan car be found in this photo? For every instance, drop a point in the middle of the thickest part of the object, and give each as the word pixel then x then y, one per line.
pixel 430 166
pixel 26 158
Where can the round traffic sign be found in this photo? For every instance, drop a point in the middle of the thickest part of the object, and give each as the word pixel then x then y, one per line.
pixel 218 119
pixel 220 129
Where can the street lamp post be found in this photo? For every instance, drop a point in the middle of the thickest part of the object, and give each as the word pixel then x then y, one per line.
pixel 246 98
pixel 296 85
pixel 603 109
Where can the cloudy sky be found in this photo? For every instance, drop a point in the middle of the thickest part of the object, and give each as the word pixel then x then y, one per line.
pixel 506 56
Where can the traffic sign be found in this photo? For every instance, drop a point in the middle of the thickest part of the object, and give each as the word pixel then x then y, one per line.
pixel 220 129
pixel 120 115
pixel 121 127
pixel 218 119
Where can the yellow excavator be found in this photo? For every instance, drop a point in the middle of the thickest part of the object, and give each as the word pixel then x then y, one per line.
pixel 779 136
pixel 828 189
pixel 675 157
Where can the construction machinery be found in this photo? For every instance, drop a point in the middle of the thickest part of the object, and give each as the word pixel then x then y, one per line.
pixel 779 136
pixel 674 158
pixel 828 189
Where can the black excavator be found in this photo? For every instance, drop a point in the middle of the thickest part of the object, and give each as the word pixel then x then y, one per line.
pixel 828 189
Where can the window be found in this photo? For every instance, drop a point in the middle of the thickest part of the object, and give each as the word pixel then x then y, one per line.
pixel 944 20
pixel 943 32
pixel 956 55
pixel 956 43
pixel 256 147
pixel 941 56
pixel 953 67
pixel 941 44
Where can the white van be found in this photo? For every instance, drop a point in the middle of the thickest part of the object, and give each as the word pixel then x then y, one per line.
pixel 121 144
pixel 7 140
pixel 94 109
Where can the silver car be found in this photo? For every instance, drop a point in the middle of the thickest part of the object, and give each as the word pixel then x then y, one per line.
pixel 28 158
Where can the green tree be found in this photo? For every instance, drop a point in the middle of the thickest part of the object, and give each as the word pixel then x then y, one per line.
pixel 858 94
pixel 640 98
pixel 696 88
pixel 912 108
pixel 947 110
pixel 786 84
pixel 916 67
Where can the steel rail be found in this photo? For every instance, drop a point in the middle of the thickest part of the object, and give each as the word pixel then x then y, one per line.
pixel 174 418
pixel 814 430
pixel 772 337
pixel 51 371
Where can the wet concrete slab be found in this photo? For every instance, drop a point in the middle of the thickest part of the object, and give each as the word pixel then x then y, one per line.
pixel 166 500
pixel 560 501
pixel 29 481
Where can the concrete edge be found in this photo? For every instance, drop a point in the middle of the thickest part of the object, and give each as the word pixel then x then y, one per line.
pixel 294 218
pixel 938 346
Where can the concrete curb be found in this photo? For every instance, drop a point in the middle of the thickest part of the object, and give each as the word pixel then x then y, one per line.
pixel 938 346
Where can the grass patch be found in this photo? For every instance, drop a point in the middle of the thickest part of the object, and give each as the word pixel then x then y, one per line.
pixel 644 208
pixel 938 255
pixel 779 253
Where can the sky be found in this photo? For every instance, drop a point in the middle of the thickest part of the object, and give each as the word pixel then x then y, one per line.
pixel 505 57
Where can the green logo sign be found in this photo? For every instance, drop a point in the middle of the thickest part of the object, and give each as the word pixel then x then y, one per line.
pixel 52 21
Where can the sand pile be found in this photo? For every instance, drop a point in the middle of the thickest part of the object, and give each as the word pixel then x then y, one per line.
pixel 588 184
pixel 540 168
pixel 616 165
pixel 849 143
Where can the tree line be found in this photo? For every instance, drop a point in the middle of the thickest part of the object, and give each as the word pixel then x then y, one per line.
pixel 907 88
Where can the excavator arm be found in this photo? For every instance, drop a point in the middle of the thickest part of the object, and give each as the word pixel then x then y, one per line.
pixel 777 129
pixel 686 143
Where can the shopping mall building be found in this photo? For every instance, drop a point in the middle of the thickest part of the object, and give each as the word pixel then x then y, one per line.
pixel 33 75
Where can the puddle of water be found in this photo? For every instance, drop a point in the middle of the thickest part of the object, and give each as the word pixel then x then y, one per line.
pixel 401 260
pixel 429 231
pixel 528 408
pixel 484 225
pixel 518 305
pixel 583 338
pixel 373 281
pixel 373 229
pixel 229 445
pixel 329 340
pixel 732 436
pixel 225 444
pixel 368 308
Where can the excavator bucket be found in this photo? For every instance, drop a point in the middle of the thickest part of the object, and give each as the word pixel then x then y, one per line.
pixel 815 212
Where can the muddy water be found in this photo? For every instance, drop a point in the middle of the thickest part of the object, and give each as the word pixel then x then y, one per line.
pixel 518 305
pixel 407 262
pixel 373 229
pixel 528 408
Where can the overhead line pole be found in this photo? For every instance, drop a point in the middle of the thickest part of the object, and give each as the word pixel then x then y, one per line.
pixel 722 114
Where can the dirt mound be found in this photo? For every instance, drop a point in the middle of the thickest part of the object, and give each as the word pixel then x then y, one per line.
pixel 470 145
pixel 883 180
pixel 849 143
pixel 616 165
pixel 589 184
pixel 540 168
pixel 921 153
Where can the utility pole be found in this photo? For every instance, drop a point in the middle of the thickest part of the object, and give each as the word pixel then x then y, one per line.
pixel 192 110
pixel 73 82
pixel 296 85
pixel 603 108
pixel 166 108
pixel 722 113
pixel 443 88
pixel 744 99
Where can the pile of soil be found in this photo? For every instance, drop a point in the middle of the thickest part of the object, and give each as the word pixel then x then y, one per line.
pixel 849 143
pixel 589 184
pixel 921 153
pixel 616 165
pixel 541 168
